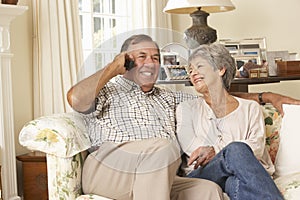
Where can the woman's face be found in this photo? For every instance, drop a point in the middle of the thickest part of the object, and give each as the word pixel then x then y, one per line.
pixel 203 76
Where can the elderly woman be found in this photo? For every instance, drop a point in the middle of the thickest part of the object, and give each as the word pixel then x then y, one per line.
pixel 223 136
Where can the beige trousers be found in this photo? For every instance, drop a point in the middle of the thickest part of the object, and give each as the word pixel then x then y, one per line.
pixel 142 170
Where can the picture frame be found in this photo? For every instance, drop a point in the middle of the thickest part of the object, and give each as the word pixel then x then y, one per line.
pixel 247 46
pixel 176 72
pixel 272 57
pixel 169 58
pixel 181 52
pixel 251 52
pixel 241 60
pixel 174 58
pixel 247 43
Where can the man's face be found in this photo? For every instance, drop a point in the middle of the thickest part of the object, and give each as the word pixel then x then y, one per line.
pixel 146 57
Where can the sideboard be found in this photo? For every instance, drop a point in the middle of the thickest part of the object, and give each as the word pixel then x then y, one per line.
pixel 239 84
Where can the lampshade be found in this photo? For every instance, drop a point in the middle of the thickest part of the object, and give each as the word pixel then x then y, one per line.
pixel 190 6
pixel 199 33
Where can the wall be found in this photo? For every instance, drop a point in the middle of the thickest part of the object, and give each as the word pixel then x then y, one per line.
pixel 22 82
pixel 21 47
pixel 274 19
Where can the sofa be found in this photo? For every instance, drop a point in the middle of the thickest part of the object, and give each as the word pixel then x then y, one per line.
pixel 64 139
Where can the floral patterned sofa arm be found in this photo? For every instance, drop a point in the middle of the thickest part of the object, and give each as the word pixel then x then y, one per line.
pixel 64 139
pixel 64 178
pixel 63 135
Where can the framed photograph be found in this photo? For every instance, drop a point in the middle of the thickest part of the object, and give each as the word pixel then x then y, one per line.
pixel 250 46
pixel 241 60
pixel 273 57
pixel 251 52
pixel 173 61
pixel 247 43
pixel 232 47
pixel 169 58
pixel 176 72
pixel 181 52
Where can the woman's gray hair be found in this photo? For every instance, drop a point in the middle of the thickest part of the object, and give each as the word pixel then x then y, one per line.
pixel 218 56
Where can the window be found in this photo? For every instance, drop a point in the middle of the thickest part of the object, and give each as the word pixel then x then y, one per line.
pixel 105 24
pixel 101 21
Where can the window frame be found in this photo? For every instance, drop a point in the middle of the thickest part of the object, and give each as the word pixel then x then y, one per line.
pixel 100 47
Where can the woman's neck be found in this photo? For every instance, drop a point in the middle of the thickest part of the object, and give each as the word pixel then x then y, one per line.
pixel 221 102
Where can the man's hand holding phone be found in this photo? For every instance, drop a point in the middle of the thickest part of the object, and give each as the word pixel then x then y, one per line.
pixel 129 63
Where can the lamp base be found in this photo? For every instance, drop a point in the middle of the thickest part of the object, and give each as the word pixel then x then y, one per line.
pixel 199 33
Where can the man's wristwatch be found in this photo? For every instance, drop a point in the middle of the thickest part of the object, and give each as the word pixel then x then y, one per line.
pixel 260 99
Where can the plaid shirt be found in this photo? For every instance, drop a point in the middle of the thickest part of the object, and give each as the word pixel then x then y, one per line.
pixel 125 113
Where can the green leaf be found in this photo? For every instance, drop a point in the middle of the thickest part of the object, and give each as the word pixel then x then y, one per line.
pixel 268 121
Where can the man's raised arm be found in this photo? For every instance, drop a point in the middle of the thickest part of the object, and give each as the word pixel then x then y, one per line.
pixel 82 95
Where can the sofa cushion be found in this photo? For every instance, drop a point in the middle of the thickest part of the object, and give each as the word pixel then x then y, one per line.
pixel 287 161
pixel 289 186
pixel 273 124
pixel 63 135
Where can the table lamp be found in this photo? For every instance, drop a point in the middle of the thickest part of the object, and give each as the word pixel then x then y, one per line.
pixel 199 33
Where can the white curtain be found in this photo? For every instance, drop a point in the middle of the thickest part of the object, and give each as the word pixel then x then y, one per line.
pixel 57 54
pixel 149 14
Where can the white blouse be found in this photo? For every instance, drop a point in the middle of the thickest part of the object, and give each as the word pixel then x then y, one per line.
pixel 198 126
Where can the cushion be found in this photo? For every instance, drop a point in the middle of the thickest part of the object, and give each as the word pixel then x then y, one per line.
pixel 273 124
pixel 289 186
pixel 63 135
pixel 287 159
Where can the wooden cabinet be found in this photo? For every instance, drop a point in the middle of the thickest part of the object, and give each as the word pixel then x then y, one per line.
pixel 240 84
pixel 34 169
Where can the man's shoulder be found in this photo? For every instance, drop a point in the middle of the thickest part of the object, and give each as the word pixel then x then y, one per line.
pixel 178 96
pixel 117 84
pixel 192 104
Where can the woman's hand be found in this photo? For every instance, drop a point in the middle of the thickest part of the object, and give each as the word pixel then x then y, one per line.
pixel 201 156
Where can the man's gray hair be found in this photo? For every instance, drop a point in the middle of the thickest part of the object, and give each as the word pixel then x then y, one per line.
pixel 135 39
